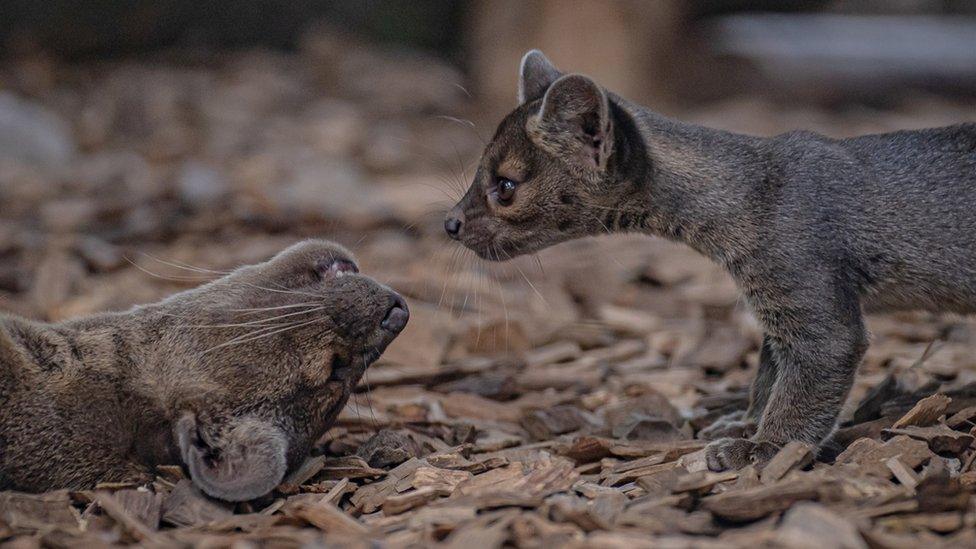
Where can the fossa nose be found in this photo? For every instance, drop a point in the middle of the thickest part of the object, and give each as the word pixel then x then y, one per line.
pixel 452 226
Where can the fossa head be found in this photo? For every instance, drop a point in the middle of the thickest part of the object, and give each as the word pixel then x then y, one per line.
pixel 284 343
pixel 556 168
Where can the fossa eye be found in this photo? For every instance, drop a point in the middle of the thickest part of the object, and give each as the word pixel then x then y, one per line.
pixel 334 268
pixel 505 191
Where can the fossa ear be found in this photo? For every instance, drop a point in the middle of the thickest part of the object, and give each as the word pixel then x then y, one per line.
pixel 576 110
pixel 246 461
pixel 536 74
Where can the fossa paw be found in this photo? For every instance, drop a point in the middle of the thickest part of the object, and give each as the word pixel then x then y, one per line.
pixel 735 453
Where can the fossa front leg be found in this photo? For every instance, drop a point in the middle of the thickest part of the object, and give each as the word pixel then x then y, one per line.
pixel 743 423
pixel 816 360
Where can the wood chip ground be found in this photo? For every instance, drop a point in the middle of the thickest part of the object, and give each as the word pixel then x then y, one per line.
pixel 552 401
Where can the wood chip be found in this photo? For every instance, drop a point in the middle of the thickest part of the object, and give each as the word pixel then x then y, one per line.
pixel 965 416
pixel 351 467
pixel 810 525
pixel 28 511
pixel 755 503
pixel 905 475
pixel 701 482
pixel 556 352
pixel 326 517
pixel 940 438
pixel 187 506
pixel 925 412
pixel 394 505
pixel 369 498
pixel 143 505
pixel 127 520
pixel 442 480
pixel 794 456
pixel 871 455
pixel 545 424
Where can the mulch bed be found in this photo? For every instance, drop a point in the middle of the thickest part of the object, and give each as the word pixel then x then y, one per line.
pixel 549 401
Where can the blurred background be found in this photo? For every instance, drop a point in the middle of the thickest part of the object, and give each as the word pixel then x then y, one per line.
pixel 142 141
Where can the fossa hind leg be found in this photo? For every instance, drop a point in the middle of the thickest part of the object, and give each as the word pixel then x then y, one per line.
pixel 743 423
pixel 815 366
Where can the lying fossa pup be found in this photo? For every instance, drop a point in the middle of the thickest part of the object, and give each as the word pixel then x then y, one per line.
pixel 814 230
pixel 235 380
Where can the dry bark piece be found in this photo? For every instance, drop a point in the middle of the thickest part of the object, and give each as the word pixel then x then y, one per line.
pixel 31 512
pixel 369 498
pixel 586 449
pixel 326 517
pixel 662 481
pixel 812 526
pixel 701 482
pixel 394 505
pixel 545 424
pixel 388 448
pixel 794 456
pixel 870 455
pixel 534 480
pixel 599 513
pixel 940 438
pixel 490 480
pixel 638 426
pixel 905 475
pixel 351 467
pixel 630 321
pixel 669 451
pixel 470 406
pixel 968 480
pixel 454 460
pixel 626 349
pixel 755 503
pixel 143 505
pixel 494 385
pixel 129 522
pixel 585 373
pixel 649 404
pixel 650 361
pixel 444 480
pixel 960 418
pixel 308 469
pixel 556 352
pixel 940 523
pixel 869 429
pixel 925 412
pixel 187 506
pixel 636 464
pixel 489 530
pixel 939 492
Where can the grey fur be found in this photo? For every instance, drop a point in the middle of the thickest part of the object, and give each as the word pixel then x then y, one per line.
pixel 106 398
pixel 814 231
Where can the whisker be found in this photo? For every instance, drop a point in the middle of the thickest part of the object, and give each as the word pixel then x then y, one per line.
pixel 260 321
pixel 183 265
pixel 169 277
pixel 369 399
pixel 465 90
pixel 261 309
pixel 238 340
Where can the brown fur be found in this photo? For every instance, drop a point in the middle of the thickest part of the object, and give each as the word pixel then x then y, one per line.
pixel 105 398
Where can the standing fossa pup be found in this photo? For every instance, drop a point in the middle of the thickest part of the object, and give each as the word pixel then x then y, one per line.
pixel 235 379
pixel 814 230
